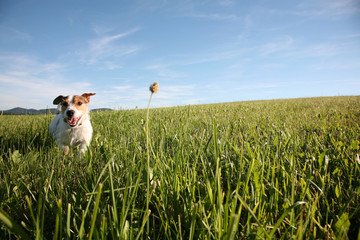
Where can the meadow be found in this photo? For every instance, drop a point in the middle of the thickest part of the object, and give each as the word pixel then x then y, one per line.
pixel 279 169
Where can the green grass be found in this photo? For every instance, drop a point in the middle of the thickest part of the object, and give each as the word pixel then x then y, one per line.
pixel 249 170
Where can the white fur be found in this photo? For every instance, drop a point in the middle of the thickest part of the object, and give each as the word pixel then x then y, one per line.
pixel 67 136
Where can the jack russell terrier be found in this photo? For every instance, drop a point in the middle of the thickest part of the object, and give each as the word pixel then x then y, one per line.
pixel 71 127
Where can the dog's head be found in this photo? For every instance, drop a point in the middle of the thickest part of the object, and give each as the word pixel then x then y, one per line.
pixel 73 107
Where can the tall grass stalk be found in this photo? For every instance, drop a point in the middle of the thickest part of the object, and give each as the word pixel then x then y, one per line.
pixel 95 212
pixel 148 169
pixel 153 89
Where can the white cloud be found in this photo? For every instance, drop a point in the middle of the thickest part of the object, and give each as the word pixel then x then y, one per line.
pixel 316 50
pixel 348 36
pixel 213 11
pixel 230 51
pixel 226 3
pixel 122 88
pixel 329 8
pixel 9 34
pixel 103 42
pixel 107 48
pixel 130 96
pixel 175 95
pixel 34 84
pixel 282 45
pixel 101 30
pixel 257 86
pixel 164 71
pixel 214 16
pixel 214 56
pixel 109 65
pixel 24 65
pixel 273 65
pixel 35 92
pixel 174 91
pixel 338 65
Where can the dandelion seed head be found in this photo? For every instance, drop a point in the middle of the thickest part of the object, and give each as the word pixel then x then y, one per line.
pixel 154 87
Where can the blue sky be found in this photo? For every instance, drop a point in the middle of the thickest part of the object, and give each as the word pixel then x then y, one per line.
pixel 199 51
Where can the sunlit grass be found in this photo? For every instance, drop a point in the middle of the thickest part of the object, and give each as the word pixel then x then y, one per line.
pixel 263 169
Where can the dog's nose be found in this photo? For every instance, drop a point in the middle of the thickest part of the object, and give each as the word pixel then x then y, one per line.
pixel 70 113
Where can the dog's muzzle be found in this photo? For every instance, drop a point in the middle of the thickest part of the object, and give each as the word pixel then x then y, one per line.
pixel 73 121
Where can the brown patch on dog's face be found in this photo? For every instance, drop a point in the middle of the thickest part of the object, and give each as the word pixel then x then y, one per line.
pixel 63 101
pixel 80 103
pixel 64 104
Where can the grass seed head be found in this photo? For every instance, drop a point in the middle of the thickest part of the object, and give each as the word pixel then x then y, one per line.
pixel 154 87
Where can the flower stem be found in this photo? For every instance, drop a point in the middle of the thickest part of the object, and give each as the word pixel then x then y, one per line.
pixel 148 163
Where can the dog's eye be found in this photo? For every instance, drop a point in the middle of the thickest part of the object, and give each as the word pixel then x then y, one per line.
pixel 65 104
pixel 79 103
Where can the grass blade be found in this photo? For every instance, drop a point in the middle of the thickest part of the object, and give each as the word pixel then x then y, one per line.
pixel 12 225
pixel 68 234
pixel 95 212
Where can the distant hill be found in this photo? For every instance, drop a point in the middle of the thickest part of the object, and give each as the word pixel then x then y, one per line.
pixel 25 111
pixel 100 109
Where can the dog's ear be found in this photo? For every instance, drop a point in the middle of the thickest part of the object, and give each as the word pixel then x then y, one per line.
pixel 87 96
pixel 59 99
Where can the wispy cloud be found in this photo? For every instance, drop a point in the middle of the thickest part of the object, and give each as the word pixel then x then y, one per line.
pixel 320 8
pixel 131 96
pixel 213 16
pixel 282 45
pixel 107 48
pixel 122 88
pixel 24 65
pixel 336 65
pixel 316 50
pixel 257 86
pixel 214 11
pixel 172 95
pixel 226 3
pixel 34 83
pixel 101 30
pixel 105 41
pixel 9 34
pixel 348 36
pixel 164 71
pixel 330 8
pixel 214 56
pixel 229 51
pixel 174 91
pixel 35 92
